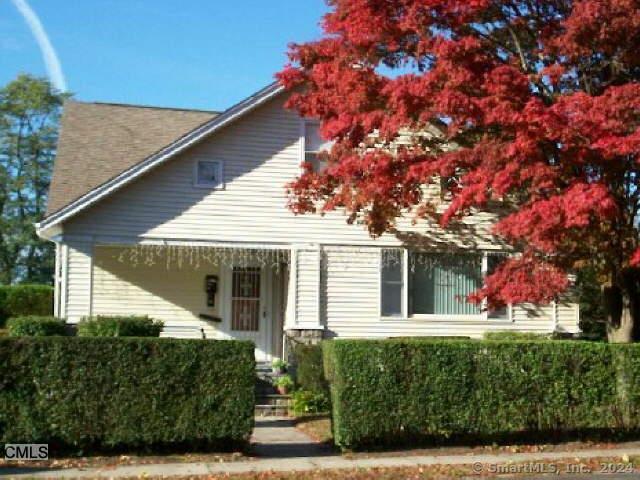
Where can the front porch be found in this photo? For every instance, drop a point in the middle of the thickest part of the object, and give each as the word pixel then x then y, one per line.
pixel 217 292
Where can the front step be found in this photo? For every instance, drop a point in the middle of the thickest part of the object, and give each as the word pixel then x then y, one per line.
pixel 272 405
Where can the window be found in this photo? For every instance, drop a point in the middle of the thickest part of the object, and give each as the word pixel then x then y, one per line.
pixel 314 144
pixel 208 174
pixel 420 283
pixel 440 283
pixel 391 282
pixel 493 260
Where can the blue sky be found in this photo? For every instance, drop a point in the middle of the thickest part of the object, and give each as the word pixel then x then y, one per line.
pixel 204 54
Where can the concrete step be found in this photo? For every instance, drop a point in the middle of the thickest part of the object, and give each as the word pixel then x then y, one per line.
pixel 272 405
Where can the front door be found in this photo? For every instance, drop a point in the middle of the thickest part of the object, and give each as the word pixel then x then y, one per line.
pixel 248 313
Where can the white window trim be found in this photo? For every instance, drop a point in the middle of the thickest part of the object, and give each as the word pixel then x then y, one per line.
pixel 303 141
pixel 220 185
pixel 404 298
pixel 482 316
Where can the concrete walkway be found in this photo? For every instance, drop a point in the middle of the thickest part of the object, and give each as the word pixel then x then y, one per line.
pixel 280 447
pixel 277 437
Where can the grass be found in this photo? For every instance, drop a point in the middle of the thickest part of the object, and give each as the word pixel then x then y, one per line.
pixel 4 332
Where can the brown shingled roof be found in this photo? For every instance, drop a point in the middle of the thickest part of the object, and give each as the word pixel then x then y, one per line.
pixel 99 141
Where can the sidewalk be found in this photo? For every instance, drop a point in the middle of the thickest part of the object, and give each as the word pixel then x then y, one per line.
pixel 283 448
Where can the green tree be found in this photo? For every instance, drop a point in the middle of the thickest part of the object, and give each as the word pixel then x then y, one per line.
pixel 29 113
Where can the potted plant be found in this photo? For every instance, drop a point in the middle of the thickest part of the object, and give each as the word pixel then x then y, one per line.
pixel 278 366
pixel 283 384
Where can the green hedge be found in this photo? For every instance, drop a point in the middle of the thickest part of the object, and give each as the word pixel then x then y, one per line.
pixel 119 326
pixel 21 300
pixel 506 335
pixel 309 368
pixel 33 326
pixel 391 392
pixel 111 394
pixel 313 390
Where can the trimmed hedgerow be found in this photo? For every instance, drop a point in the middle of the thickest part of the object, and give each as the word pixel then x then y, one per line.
pixel 112 394
pixel 506 335
pixel 391 392
pixel 119 326
pixel 313 390
pixel 309 368
pixel 34 326
pixel 22 300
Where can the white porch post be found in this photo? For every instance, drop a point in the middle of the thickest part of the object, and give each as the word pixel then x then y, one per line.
pixel 290 314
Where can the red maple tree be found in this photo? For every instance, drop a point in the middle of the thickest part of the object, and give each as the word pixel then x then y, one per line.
pixel 541 102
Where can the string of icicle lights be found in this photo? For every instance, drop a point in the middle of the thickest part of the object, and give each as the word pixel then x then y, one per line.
pixel 195 256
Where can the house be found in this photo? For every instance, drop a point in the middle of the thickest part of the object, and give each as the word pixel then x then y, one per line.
pixel 182 215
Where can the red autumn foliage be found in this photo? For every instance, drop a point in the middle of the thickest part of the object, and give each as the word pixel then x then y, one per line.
pixel 540 97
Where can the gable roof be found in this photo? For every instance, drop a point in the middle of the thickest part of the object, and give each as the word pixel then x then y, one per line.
pixel 144 152
pixel 99 141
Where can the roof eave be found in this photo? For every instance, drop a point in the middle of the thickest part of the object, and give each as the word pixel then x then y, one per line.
pixel 171 150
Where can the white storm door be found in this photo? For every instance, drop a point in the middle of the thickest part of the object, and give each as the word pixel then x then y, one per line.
pixel 248 313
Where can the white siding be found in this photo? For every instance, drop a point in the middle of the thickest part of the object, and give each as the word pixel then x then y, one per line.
pixel 351 292
pixel 261 154
pixel 568 314
pixel 78 280
pixel 169 293
pixel 308 288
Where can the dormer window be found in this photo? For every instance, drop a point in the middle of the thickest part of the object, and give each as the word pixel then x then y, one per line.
pixel 208 174
pixel 314 144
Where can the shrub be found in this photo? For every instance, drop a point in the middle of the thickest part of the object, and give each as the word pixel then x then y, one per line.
pixel 313 394
pixel 279 365
pixel 284 382
pixel 111 394
pixel 309 369
pixel 115 326
pixel 34 326
pixel 390 392
pixel 305 402
pixel 506 336
pixel 22 300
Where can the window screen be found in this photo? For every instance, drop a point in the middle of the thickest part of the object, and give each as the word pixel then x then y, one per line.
pixel 493 260
pixel 440 283
pixel 208 173
pixel 392 279
pixel 313 145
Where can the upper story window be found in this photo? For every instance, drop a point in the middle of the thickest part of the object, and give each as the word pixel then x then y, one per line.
pixel 209 174
pixel 313 145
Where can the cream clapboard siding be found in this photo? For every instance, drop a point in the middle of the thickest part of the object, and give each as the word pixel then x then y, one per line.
pixel 171 293
pixel 568 314
pixel 351 291
pixel 78 280
pixel 261 154
pixel 307 288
